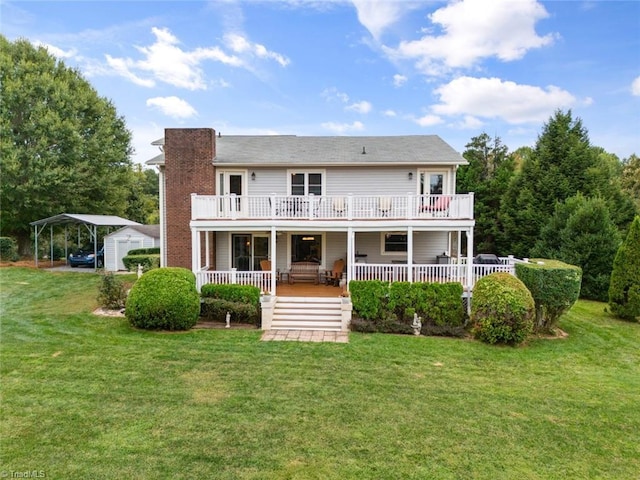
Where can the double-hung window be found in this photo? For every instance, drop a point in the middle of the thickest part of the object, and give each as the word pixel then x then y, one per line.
pixel 306 183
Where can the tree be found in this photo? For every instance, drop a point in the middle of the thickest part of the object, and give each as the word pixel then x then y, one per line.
pixel 581 233
pixel 143 197
pixel 63 148
pixel 605 179
pixel 488 174
pixel 630 180
pixel 624 290
pixel 557 169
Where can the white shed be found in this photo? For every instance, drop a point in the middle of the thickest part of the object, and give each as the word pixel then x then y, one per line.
pixel 118 243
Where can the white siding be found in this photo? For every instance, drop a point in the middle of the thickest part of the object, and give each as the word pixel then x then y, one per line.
pixel 367 180
pixel 426 246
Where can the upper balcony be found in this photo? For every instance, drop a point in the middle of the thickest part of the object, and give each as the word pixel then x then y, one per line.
pixel 331 207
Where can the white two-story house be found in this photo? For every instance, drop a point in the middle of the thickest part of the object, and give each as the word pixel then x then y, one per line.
pixel 386 206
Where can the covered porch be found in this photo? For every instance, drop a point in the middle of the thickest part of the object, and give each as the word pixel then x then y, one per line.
pixel 395 252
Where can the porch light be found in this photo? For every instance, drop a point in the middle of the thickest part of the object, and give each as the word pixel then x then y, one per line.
pixel 308 238
pixel 410 175
pixel 253 176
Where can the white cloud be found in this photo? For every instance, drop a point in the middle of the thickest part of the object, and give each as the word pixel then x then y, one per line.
pixel 472 31
pixel 331 94
pixel 494 98
pixel 377 15
pixel 359 107
pixel 399 80
pixel 241 45
pixel 57 52
pixel 172 106
pixel 122 67
pixel 342 128
pixel 428 120
pixel 470 122
pixel 165 60
pixel 635 87
pixel 389 113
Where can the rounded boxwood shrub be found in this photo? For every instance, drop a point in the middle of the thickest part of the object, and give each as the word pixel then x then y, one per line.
pixel 502 309
pixel 164 299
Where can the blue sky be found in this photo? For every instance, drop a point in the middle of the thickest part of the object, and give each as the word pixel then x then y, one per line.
pixel 359 67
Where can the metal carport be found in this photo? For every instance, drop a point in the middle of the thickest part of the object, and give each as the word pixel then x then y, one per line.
pixel 90 222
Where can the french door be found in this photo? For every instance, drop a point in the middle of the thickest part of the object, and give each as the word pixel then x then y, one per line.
pixel 247 251
pixel 232 183
pixel 431 183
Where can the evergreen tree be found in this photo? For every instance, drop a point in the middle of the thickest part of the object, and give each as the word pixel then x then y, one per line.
pixel 624 290
pixel 488 174
pixel 557 169
pixel 581 233
pixel 63 148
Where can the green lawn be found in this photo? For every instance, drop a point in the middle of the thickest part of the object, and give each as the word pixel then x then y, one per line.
pixel 89 397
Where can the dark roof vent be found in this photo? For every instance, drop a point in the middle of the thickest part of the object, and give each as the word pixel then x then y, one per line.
pixel 363 151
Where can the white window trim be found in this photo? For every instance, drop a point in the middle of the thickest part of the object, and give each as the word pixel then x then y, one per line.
pixel 446 179
pixel 225 172
pixel 307 171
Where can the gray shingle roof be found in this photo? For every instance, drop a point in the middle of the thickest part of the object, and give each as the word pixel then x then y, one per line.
pixel 293 150
pixel 152 231
pixel 290 149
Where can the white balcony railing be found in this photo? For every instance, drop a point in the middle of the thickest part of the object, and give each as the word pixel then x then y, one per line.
pixel 345 207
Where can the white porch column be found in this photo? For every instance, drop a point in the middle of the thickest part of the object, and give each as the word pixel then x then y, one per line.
pixel 469 258
pixel 272 249
pixel 207 246
pixel 195 250
pixel 351 258
pixel 410 254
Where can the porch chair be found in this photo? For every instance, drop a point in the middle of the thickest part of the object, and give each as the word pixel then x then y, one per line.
pixel 439 207
pixel 384 205
pixel 265 265
pixel 338 206
pixel 333 276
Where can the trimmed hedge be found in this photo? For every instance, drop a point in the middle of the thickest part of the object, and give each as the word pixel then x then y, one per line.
pixel 215 310
pixel 164 299
pixel 148 261
pixel 554 286
pixel 233 293
pixel 624 289
pixel 389 308
pixel 502 309
pixel 145 251
pixel 241 301
pixel 8 249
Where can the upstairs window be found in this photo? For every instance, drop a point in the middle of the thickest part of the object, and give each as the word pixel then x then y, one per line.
pixel 306 183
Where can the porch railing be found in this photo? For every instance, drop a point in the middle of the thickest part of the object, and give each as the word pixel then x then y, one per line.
pixel 259 279
pixel 367 271
pixel 346 207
